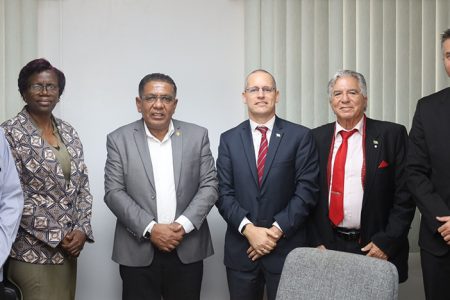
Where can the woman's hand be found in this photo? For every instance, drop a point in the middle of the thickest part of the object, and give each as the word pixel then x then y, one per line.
pixel 73 243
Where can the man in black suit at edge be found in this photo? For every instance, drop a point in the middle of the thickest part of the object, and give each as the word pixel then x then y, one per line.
pixel 428 167
pixel 364 206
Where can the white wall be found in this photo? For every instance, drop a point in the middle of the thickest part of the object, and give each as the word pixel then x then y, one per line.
pixel 104 48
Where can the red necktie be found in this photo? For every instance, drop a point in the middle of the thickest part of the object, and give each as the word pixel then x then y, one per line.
pixel 262 153
pixel 336 211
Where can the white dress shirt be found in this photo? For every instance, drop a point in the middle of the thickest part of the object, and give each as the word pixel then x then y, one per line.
pixel 353 189
pixel 166 197
pixel 256 135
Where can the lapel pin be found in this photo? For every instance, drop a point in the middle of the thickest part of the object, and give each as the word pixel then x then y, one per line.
pixel 375 143
pixel 177 133
pixel 278 135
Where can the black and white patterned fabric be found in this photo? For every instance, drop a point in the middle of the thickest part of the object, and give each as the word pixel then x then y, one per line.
pixel 53 207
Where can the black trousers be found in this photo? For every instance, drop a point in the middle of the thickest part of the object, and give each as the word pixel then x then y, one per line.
pixel 343 245
pixel 436 275
pixel 2 290
pixel 249 285
pixel 166 277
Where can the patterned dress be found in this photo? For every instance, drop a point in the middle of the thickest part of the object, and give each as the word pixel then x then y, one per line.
pixel 53 207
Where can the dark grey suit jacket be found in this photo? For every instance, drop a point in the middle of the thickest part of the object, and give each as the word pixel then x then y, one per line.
pixel 287 195
pixel 131 196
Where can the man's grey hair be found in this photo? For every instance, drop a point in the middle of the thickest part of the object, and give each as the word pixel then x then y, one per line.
pixel 347 73
pixel 263 71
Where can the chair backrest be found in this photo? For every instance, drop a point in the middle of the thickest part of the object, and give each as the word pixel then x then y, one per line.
pixel 311 273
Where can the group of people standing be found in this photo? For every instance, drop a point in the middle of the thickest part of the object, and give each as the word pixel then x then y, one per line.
pixel 351 185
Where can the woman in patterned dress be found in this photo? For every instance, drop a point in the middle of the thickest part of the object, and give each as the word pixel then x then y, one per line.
pixel 56 217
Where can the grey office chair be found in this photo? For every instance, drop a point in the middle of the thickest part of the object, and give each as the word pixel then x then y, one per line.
pixel 311 273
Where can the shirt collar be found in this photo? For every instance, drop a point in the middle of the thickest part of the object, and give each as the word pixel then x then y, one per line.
pixel 358 126
pixel 166 137
pixel 269 124
pixel 54 126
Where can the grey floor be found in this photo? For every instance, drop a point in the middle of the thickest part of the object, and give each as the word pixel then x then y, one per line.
pixel 412 289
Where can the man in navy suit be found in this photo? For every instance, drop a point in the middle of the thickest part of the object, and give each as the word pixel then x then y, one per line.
pixel 267 169
pixel 371 210
pixel 429 181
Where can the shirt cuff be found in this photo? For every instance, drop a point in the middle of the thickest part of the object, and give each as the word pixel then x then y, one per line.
pixel 244 222
pixel 149 228
pixel 187 225
pixel 277 226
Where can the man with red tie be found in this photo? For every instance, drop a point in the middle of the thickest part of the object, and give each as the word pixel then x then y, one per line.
pixel 364 206
pixel 267 169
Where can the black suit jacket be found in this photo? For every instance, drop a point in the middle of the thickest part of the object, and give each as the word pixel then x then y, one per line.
pixel 429 167
pixel 287 195
pixel 387 208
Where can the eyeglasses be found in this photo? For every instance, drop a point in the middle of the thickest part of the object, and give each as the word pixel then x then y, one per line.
pixel 256 89
pixel 38 88
pixel 166 99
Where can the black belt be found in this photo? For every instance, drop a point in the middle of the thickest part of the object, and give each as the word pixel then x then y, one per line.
pixel 347 234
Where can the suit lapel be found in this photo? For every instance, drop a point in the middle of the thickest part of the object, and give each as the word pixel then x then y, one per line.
pixel 142 146
pixel 374 145
pixel 443 112
pixel 275 139
pixel 249 150
pixel 177 151
pixel 324 146
pixel 72 148
pixel 44 154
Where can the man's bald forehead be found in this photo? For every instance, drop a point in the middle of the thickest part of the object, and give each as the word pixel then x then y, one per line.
pixel 260 71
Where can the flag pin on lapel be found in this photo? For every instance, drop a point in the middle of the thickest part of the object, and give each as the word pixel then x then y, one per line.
pixel 375 143
pixel 278 135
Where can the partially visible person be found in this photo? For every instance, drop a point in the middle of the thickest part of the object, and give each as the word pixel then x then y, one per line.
pixel 429 182
pixel 11 204
pixel 56 219
pixel 160 183
pixel 268 170
pixel 364 205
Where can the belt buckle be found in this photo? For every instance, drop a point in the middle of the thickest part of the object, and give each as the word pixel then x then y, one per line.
pixel 348 235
